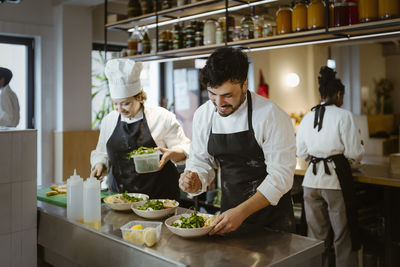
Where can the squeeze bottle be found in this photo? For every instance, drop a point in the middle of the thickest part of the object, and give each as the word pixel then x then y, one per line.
pixel 91 203
pixel 75 198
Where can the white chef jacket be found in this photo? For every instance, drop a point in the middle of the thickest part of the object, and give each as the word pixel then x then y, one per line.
pixel 338 135
pixel 273 132
pixel 9 107
pixel 164 128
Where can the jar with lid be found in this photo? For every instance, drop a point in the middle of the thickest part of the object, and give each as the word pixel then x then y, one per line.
pixel 163 42
pixel 236 33
pixel 367 10
pixel 177 36
pixel 284 20
pixel 388 9
pixel 258 26
pixel 316 15
pixel 247 25
pixel 231 26
pixel 341 10
pixel 134 8
pixel 299 17
pixel 210 28
pixel 352 12
pixel 267 29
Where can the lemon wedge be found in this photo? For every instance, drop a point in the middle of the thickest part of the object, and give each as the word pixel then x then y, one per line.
pixel 150 236
pixel 137 227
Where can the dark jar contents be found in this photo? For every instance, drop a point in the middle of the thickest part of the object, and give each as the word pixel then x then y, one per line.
pixel 352 12
pixel 341 14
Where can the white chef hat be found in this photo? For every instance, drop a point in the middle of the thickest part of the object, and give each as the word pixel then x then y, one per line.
pixel 123 77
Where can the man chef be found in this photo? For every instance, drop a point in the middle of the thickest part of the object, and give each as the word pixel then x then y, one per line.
pixel 250 139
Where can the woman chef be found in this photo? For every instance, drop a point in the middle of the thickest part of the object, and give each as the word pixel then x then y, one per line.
pixel 327 138
pixel 134 124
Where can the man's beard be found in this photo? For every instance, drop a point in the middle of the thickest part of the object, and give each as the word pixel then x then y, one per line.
pixel 242 99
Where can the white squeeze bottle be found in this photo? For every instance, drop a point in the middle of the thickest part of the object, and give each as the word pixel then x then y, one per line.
pixel 91 203
pixel 75 198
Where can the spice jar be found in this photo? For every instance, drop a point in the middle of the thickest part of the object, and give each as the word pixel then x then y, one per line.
pixel 284 20
pixel 352 10
pixel 367 10
pixel 231 26
pixel 267 29
pixel 341 13
pixel 210 28
pixel 299 17
pixel 247 25
pixel 388 9
pixel 316 15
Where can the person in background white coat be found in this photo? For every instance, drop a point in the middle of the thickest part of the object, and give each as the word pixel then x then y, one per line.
pixel 9 106
pixel 134 124
pixel 327 137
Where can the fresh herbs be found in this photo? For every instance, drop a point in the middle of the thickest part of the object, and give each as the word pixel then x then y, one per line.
pixel 194 221
pixel 130 198
pixel 152 205
pixel 141 151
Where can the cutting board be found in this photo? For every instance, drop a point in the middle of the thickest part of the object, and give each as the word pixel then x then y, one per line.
pixel 60 199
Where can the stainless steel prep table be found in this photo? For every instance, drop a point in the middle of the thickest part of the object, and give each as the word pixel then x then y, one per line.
pixel 69 243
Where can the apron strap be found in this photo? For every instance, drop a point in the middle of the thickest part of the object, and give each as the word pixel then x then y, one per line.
pixel 315 160
pixel 319 114
pixel 249 112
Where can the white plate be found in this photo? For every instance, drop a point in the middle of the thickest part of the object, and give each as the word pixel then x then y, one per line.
pixel 123 206
pixel 153 214
pixel 186 232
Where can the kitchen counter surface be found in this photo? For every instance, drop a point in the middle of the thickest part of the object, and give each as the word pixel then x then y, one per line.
pixel 69 243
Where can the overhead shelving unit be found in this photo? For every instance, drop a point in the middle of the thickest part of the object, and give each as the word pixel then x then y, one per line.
pixel 225 7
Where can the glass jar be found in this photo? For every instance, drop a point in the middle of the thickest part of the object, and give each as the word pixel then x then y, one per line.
pixel 352 9
pixel 299 17
pixel 388 9
pixel 177 36
pixel 210 28
pixel 367 10
pixel 341 13
pixel 267 29
pixel 134 8
pixel 231 26
pixel 284 20
pixel 236 33
pixel 219 36
pixel 258 26
pixel 316 15
pixel 247 25
pixel 198 39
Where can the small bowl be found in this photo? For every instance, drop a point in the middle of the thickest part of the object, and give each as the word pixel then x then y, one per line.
pixel 148 237
pixel 123 206
pixel 153 214
pixel 147 162
pixel 186 232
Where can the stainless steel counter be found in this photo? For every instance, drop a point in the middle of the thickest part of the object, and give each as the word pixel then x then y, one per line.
pixel 68 243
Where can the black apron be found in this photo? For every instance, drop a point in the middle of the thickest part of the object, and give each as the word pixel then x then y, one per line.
pixel 123 176
pixel 243 169
pixel 345 177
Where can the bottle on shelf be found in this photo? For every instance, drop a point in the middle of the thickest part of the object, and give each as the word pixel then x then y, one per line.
pixel 134 8
pixel 133 42
pixel 231 26
pixel 258 26
pixel 367 10
pixel 92 203
pixel 316 15
pixel 140 41
pixel 284 20
pixel 75 198
pixel 247 25
pixel 299 16
pixel 146 43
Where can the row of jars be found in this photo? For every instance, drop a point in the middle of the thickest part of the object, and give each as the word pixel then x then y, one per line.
pixel 139 43
pixel 141 7
pixel 341 12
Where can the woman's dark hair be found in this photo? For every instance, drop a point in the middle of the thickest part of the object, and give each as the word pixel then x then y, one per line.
pixel 6 74
pixel 329 85
pixel 225 64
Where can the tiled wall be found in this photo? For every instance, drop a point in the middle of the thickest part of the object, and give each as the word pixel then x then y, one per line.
pixel 18 152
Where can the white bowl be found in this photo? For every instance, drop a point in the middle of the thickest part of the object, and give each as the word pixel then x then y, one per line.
pixel 147 162
pixel 142 236
pixel 153 214
pixel 123 206
pixel 186 232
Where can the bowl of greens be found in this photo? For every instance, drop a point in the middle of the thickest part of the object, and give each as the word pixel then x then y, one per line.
pixel 124 201
pixel 146 159
pixel 155 208
pixel 191 225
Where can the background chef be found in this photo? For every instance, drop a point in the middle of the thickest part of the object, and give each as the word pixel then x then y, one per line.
pixel 327 138
pixel 134 124
pixel 9 106
pixel 251 139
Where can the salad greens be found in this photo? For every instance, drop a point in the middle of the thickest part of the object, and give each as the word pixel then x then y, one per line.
pixel 130 198
pixel 194 221
pixel 154 204
pixel 141 151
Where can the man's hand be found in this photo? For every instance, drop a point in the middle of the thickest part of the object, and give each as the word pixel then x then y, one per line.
pixel 228 221
pixel 98 170
pixel 189 182
pixel 170 154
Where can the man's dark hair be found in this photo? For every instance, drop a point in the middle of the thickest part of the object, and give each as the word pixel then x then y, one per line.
pixel 225 64
pixel 329 85
pixel 6 74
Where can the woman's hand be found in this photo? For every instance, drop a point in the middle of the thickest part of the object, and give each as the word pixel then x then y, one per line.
pixel 98 170
pixel 170 154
